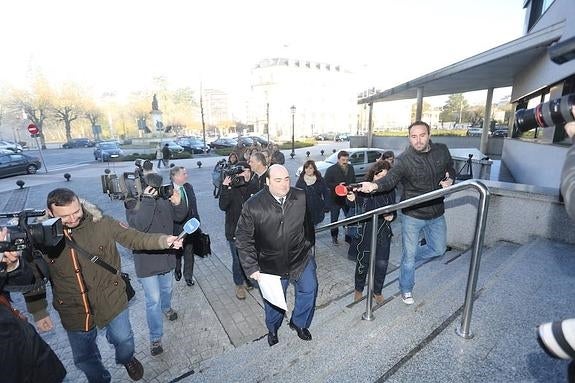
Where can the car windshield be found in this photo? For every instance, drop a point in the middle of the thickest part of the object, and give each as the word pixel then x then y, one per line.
pixel 332 159
pixel 108 146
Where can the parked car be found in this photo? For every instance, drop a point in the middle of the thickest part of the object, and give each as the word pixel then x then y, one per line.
pixel 244 141
pixel 360 158
pixel 474 131
pixel 174 148
pixel 260 140
pixel 193 145
pixel 325 136
pixel 9 145
pixel 222 143
pixel 79 143
pixel 18 163
pixel 342 137
pixel 500 132
pixel 106 151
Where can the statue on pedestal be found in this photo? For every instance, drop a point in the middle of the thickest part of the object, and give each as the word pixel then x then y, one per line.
pixel 155 103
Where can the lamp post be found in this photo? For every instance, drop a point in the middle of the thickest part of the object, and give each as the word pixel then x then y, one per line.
pixel 292 109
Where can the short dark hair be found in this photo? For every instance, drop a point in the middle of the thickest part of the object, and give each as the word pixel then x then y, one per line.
pixel 387 154
pixel 260 157
pixel 342 153
pixel 60 197
pixel 376 168
pixel 175 170
pixel 147 165
pixel 307 164
pixel 415 123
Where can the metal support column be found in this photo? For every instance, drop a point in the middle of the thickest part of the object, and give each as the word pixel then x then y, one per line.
pixel 486 121
pixel 370 126
pixel 419 108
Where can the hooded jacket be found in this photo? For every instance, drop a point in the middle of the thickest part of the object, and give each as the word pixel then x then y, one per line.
pixel 272 238
pixel 85 294
pixel 568 181
pixel 420 173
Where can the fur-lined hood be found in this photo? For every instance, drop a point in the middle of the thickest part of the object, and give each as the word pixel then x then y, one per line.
pixel 94 211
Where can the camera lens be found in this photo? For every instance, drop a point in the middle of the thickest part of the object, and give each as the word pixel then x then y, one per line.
pixel 554 112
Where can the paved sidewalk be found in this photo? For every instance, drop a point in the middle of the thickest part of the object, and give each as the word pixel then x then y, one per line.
pixel 211 319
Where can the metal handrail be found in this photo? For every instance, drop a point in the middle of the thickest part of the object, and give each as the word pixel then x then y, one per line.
pixel 478 238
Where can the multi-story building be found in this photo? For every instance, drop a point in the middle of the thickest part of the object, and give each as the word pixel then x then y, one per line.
pixel 322 94
pixel 216 108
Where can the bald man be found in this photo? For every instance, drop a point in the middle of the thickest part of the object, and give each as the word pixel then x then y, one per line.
pixel 275 235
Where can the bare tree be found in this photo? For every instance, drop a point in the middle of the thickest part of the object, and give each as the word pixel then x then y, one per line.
pixel 68 107
pixel 35 106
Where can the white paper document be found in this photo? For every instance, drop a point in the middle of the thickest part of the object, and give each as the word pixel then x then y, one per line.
pixel 271 288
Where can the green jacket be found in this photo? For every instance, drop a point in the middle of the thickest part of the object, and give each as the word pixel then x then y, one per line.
pixel 105 294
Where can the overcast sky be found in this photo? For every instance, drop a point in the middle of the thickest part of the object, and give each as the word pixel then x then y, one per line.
pixel 121 45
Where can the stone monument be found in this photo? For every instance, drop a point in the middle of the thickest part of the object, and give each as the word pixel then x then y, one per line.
pixel 156 114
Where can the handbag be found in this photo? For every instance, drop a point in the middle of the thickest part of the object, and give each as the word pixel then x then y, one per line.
pixel 130 292
pixel 201 243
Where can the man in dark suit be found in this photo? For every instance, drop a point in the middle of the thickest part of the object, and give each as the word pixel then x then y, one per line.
pixel 179 177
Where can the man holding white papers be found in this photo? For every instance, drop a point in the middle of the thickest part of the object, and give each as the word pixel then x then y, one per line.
pixel 275 236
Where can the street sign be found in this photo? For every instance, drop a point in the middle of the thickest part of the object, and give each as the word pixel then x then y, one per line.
pixel 33 129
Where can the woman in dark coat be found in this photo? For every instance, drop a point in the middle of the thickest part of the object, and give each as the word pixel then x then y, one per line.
pixel 317 195
pixel 363 203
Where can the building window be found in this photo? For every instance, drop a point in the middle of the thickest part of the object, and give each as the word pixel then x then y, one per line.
pixel 538 8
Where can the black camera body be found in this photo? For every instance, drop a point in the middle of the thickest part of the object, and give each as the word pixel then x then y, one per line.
pixel 234 173
pixel 166 191
pixel 127 185
pixel 553 112
pixel 24 235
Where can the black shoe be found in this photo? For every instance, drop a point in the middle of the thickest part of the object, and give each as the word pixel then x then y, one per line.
pixel 178 274
pixel 334 240
pixel 422 242
pixel 303 333
pixel 448 248
pixel 135 369
pixel 272 338
pixel 190 282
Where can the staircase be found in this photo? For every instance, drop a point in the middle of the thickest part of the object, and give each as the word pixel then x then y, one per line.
pixel 519 287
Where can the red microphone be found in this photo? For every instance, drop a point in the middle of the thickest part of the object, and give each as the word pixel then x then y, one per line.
pixel 342 189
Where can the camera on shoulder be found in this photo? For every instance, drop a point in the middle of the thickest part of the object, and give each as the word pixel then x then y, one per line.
pixel 234 173
pixel 24 235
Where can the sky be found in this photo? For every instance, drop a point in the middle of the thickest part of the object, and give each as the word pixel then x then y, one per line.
pixel 122 45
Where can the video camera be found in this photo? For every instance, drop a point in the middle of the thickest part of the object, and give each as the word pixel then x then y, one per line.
pixel 23 235
pixel 128 185
pixel 553 112
pixel 234 173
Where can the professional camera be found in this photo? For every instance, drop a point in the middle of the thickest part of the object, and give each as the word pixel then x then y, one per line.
pixel 24 235
pixel 166 191
pixel 128 185
pixel 558 338
pixel 234 173
pixel 553 112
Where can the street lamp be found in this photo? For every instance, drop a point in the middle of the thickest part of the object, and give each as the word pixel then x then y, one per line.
pixel 292 109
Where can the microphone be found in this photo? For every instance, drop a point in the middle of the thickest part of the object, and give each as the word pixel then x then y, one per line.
pixel 342 189
pixel 189 227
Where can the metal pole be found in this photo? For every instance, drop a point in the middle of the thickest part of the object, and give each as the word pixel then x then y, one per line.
pixel 268 120
pixel 369 126
pixel 368 314
pixel 41 154
pixel 292 133
pixel 486 121
pixel 203 123
pixel 463 331
pixel 419 107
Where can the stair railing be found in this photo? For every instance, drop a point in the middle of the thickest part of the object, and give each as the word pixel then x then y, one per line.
pixel 481 218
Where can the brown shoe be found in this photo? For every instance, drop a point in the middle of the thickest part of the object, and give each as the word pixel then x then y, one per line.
pixel 379 299
pixel 135 369
pixel 240 292
pixel 357 295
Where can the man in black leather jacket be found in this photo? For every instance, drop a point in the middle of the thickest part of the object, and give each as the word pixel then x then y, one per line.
pixel 423 167
pixel 275 236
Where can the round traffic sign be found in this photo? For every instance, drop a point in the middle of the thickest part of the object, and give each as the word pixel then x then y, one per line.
pixel 33 129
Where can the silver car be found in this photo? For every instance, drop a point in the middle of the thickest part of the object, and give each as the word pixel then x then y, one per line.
pixel 360 158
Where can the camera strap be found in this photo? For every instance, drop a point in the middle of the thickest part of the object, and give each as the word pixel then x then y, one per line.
pixel 93 258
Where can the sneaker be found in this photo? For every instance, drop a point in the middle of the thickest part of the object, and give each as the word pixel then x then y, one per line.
pixel 156 348
pixel 240 292
pixel 171 315
pixel 357 295
pixel 135 369
pixel 249 286
pixel 407 298
pixel 379 299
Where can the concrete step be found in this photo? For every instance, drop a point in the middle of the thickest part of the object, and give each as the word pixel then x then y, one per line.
pixel 347 348
pixel 536 287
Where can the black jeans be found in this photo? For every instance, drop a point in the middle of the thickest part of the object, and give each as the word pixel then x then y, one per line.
pixel 334 211
pixel 384 235
pixel 188 254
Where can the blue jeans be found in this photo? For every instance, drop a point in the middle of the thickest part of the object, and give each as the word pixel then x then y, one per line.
pixel 305 294
pixel 237 271
pixel 158 292
pixel 87 355
pixel 334 215
pixel 435 232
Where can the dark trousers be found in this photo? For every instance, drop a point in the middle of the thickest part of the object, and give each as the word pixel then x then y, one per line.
pixel 187 252
pixel 334 212
pixel 381 255
pixel 305 295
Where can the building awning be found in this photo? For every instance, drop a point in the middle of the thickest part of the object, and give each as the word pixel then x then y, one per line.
pixel 495 68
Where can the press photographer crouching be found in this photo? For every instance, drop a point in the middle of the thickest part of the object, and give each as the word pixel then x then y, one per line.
pixel 236 189
pixel 24 354
pixel 156 212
